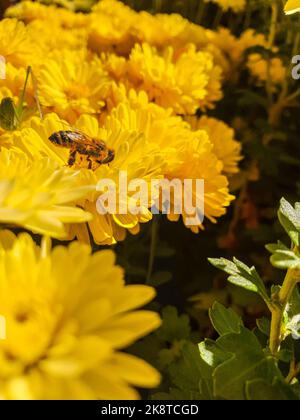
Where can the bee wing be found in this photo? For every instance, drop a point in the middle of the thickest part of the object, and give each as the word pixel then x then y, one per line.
pixel 78 136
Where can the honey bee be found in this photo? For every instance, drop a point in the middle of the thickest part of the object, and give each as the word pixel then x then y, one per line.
pixel 93 151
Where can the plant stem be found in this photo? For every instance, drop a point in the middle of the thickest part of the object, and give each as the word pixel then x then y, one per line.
pixel 22 97
pixel 273 27
pixel 293 95
pixel 293 373
pixel 154 236
pixel 157 5
pixel 200 12
pixel 218 18
pixel 280 302
pixel 248 16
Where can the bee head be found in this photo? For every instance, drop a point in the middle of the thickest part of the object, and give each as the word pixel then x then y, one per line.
pixel 56 139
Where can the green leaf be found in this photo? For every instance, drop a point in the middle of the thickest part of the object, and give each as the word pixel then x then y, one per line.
pixel 212 354
pixel 247 363
pixel 191 375
pixel 289 218
pixel 260 390
pixel 283 257
pixel 159 278
pixel 224 320
pixel 241 275
pixel 174 327
pixel 264 325
pixel 292 316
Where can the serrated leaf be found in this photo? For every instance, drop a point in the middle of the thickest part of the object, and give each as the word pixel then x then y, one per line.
pixel 241 275
pixel 190 374
pixel 283 257
pixel 260 390
pixel 248 363
pixel 224 320
pixel 212 354
pixel 289 218
pixel 292 316
pixel 174 327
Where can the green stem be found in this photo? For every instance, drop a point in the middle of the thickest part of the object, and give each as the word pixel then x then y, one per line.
pixel 218 18
pixel 200 12
pixel 293 95
pixel 294 372
pixel 154 236
pixel 280 302
pixel 22 97
pixel 157 5
pixel 248 16
pixel 273 27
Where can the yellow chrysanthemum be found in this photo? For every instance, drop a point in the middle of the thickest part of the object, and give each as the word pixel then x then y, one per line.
pixel 292 6
pixel 110 28
pixel 15 44
pixel 67 316
pixel 29 11
pixel 262 70
pixel 162 29
pixel 198 162
pixel 37 195
pixel 183 82
pixel 250 38
pixel 226 148
pixel 49 36
pixel 72 85
pixel 235 5
pixel 132 154
pixel 188 154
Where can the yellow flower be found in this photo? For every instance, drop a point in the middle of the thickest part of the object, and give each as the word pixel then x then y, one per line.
pixel 110 28
pixel 37 195
pixel 15 44
pixel 14 82
pixel 161 29
pixel 132 154
pixel 235 5
pixel 29 11
pixel 188 154
pixel 225 147
pixel 72 85
pixel 198 162
pixel 67 316
pixel 184 82
pixel 292 6
pixel 259 68
pixel 249 39
pixel 50 35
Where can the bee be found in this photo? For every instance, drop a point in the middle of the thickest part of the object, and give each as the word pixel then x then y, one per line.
pixel 95 152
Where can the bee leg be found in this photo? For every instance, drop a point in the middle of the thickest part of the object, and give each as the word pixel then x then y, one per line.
pixel 90 163
pixel 72 158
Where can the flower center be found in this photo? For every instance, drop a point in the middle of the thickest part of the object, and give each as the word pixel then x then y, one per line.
pixel 78 91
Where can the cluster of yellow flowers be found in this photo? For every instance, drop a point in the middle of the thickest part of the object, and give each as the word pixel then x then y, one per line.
pixel 131 79
pixel 138 82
